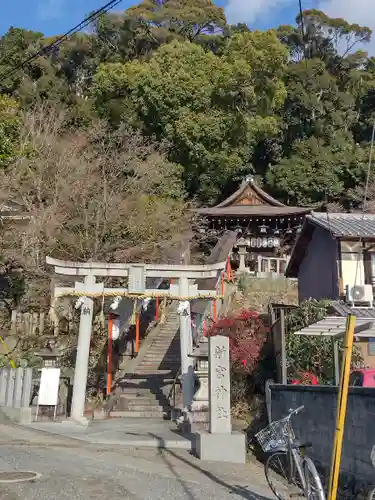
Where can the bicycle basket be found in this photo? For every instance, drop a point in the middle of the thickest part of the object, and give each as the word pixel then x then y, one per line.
pixel 275 435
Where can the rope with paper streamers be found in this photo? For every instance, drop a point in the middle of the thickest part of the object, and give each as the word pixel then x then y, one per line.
pixel 163 311
pixel 133 318
pixel 73 293
pixel 102 315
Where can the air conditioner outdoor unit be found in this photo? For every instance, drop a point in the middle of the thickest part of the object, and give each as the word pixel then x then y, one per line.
pixel 360 294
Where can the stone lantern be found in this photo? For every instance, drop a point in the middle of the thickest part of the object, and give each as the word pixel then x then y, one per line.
pixel 242 245
pixel 50 354
pixel 200 404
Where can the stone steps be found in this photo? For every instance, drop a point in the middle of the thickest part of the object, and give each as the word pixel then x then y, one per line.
pixel 143 396
pixel 159 357
pixel 153 405
pixel 138 401
pixel 144 393
pixel 173 345
pixel 134 396
pixel 150 371
pixel 163 355
pixel 164 350
pixel 154 366
pixel 144 408
pixel 139 414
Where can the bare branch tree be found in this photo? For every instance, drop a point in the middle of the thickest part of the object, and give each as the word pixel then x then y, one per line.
pixel 91 195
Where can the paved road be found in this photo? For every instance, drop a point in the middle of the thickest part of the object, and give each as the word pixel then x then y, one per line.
pixel 73 470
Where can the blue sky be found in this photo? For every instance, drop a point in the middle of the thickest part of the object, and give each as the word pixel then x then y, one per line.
pixel 57 16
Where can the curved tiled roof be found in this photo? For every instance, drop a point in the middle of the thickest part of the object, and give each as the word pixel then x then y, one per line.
pixel 251 200
pixel 249 182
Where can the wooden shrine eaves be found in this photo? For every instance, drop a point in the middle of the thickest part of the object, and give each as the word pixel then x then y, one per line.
pixel 254 211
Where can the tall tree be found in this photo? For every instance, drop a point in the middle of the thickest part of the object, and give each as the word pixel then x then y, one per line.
pixel 210 109
pixel 326 38
pixel 315 106
pixel 320 171
pixel 187 19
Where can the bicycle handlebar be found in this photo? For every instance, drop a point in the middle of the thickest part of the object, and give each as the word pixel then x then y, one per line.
pixel 296 411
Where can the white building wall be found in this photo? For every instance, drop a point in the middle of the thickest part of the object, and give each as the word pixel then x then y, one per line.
pixel 352 266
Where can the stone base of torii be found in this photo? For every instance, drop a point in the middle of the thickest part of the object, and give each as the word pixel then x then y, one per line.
pixel 184 291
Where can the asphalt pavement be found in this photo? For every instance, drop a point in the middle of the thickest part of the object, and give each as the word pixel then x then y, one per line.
pixel 71 469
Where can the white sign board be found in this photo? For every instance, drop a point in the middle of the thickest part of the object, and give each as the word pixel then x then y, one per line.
pixel 49 387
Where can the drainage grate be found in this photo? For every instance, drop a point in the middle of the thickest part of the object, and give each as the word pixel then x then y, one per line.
pixel 18 476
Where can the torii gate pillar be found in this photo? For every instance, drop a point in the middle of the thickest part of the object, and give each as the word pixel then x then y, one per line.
pixel 83 351
pixel 186 345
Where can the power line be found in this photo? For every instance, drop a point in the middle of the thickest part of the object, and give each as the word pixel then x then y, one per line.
pixel 79 27
pixel 302 25
pixel 365 194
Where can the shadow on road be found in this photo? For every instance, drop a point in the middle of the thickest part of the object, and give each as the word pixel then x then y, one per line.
pixel 234 489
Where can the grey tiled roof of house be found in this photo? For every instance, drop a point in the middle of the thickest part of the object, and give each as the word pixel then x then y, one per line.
pixel 342 224
pixel 339 308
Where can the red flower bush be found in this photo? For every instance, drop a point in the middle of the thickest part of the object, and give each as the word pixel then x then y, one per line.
pixel 305 378
pixel 247 335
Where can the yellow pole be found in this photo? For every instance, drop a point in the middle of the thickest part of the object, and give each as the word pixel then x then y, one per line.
pixel 341 407
pixel 11 362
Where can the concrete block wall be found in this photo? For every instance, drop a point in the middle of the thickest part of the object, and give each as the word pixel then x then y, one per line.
pixel 317 424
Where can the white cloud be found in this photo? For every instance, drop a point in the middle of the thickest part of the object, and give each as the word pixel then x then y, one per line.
pixel 49 9
pixel 249 11
pixel 361 12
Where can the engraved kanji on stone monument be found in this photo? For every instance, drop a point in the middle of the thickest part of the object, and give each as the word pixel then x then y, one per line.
pixel 222 412
pixel 221 391
pixel 86 310
pixel 219 351
pixel 219 385
pixel 220 371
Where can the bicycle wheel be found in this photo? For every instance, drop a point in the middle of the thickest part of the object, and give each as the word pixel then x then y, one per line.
pixel 314 487
pixel 277 470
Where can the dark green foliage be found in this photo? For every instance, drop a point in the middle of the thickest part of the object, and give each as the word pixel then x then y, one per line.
pixel 223 101
pixel 312 354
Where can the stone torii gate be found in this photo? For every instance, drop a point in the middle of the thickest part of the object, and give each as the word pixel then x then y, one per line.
pixel 137 274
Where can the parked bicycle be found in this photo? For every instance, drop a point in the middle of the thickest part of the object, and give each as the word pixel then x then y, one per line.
pixel 290 473
pixel 371 493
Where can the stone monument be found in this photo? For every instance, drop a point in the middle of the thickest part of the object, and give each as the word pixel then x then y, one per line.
pixel 220 443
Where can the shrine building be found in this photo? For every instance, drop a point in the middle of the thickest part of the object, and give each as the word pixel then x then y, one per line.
pixel 265 229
